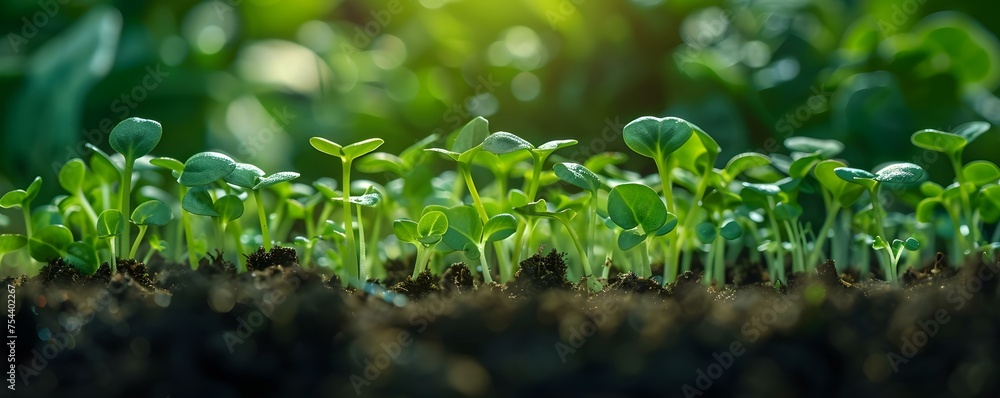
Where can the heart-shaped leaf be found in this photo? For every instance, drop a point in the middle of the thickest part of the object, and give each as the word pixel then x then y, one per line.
pixel 83 257
pixel 632 205
pixel 825 148
pixel 229 207
pixel 706 232
pixel 900 173
pixel 49 242
pixel 499 227
pixel 275 179
pixel 502 142
pixel 199 201
pixel 472 135
pixel 153 212
pixel 938 141
pixel 629 239
pixel 656 138
pixel 731 230
pixel 110 223
pixel 361 148
pixel 244 175
pixel 12 242
pixel 72 175
pixel 981 172
pixel 578 175
pixel 205 168
pixel 135 137
pixel 406 230
pixel 432 223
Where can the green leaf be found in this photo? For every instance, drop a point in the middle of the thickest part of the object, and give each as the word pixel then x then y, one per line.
pixel 49 242
pixel 731 230
pixel 938 141
pixel 449 154
pixel 275 179
pixel 31 192
pixel 668 226
pixel 472 135
pixel 787 211
pixel 13 198
pixel 135 137
pixel 517 198
pixel 763 189
pixel 851 174
pixel 555 145
pixel 825 148
pixel 326 187
pixel 168 163
pixel 83 257
pixel 499 227
pixel 369 199
pixel 326 146
pixel 198 201
pixel 471 251
pixel 657 138
pixel 743 162
pixel 629 239
pixel 925 209
pixel 698 154
pixel 578 175
pixel 72 175
pixel 900 173
pixel 801 167
pixel 931 189
pixel 464 227
pixel 911 244
pixel 12 242
pixel 406 230
pixel 981 172
pixel 229 207
pixel 382 162
pixel 632 205
pixel 153 212
pixel 844 192
pixel 205 168
pixel 879 243
pixel 706 232
pixel 971 130
pixel 432 223
pixel 244 175
pixel 110 223
pixel 103 166
pixel 362 148
pixel 502 142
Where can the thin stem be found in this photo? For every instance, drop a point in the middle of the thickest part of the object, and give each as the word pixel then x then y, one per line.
pixel 242 261
pixel 486 267
pixel 126 193
pixel 265 233
pixel 362 262
pixel 644 271
pixel 114 263
pixel 351 261
pixel 720 262
pixel 422 259
pixel 588 272
pixel 138 239
pixel 188 234
pixel 832 209
pixel 220 228
pixel 956 164
pixel 26 211
pixel 592 225
pixel 87 208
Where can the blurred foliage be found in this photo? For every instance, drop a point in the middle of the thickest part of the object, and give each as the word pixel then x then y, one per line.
pixel 256 78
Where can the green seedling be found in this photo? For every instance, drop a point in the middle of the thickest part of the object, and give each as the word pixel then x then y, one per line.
pixel 895 252
pixel 133 138
pixel 640 212
pixel 837 195
pixel 152 213
pixel 370 198
pixel 424 235
pixel 22 198
pixel 248 176
pixel 156 245
pixel 347 155
pixel 10 243
pixel 49 242
pixel 710 234
pixel 469 234
pixel 71 178
pixel 565 216
pixel 899 173
pixel 582 177
pixel 111 224
pixel 200 170
pixel 225 209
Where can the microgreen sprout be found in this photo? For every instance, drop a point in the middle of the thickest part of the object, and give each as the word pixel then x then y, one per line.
pixel 110 224
pixel 638 210
pixel 424 234
pixel 133 138
pixel 22 198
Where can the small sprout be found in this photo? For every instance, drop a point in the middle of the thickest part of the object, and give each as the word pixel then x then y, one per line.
pixel 469 234
pixel 49 242
pixel 151 213
pixel 11 243
pixel 133 138
pixel 638 210
pixel 22 198
pixel 83 257
pixel 424 234
pixel 110 224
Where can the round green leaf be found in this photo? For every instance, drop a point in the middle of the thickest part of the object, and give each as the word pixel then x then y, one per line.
pixel 72 174
pixel 502 142
pixel 632 205
pixel 244 175
pixel 83 257
pixel 361 148
pixel 275 179
pixel 381 162
pixel 499 227
pixel 49 242
pixel 406 230
pixel 938 141
pixel 110 223
pixel 706 232
pixel 981 172
pixel 103 166
pixel 205 168
pixel 629 239
pixel 229 207
pixel 326 146
pixel 656 138
pixel 135 137
pixel 731 230
pixel 168 163
pixel 153 212
pixel 12 242
pixel 826 148
pixel 198 201
pixel 432 223
pixel 578 175
pixel 472 135
pixel 911 244
pixel 900 173
pixel 13 198
pixel 745 161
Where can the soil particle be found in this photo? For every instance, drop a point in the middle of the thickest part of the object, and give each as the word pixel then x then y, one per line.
pixel 540 273
pixel 261 259
pixel 458 277
pixel 685 283
pixel 60 273
pixel 827 275
pixel 631 283
pixel 416 289
pixel 396 271
pixel 211 265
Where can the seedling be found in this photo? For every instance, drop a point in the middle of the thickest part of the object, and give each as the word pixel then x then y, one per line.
pixel 133 138
pixel 899 173
pixel 425 235
pixel 371 198
pixel 110 224
pixel 151 213
pixel 638 210
pixel 469 234
pixel 837 195
pixel 198 171
pixel 347 155
pixel 22 198
pixel 248 176
pixel 565 216
pixel 582 177
pixel 709 233
pixel 71 178
pixel 10 243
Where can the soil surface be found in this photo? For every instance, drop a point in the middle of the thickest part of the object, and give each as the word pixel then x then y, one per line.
pixel 280 330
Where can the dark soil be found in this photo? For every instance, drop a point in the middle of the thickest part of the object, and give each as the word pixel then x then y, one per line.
pixel 277 256
pixel 285 331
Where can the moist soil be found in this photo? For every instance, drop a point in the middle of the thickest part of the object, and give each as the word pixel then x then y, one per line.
pixel 280 330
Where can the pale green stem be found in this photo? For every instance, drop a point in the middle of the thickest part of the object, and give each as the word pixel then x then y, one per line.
pixel 351 261
pixel 265 233
pixel 114 263
pixel 363 262
pixel 138 239
pixel 189 234
pixel 126 194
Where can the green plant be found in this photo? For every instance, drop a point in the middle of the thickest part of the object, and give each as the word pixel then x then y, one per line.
pixel 370 198
pixel 10 243
pixel 582 177
pixel 110 224
pixel 347 154
pixel 71 178
pixel 22 199
pixel 424 235
pixel 250 177
pixel 133 138
pixel 200 170
pixel 540 209
pixel 151 213
pixel 469 234
pixel 640 212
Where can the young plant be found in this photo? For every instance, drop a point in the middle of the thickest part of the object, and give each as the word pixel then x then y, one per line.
pixel 837 195
pixel 370 198
pixel 424 234
pixel 581 177
pixel 150 213
pixel 716 236
pixel 565 216
pixel 200 170
pixel 248 176
pixel 225 209
pixel 469 234
pixel 110 224
pixel 133 138
pixel 347 154
pixel 10 243
pixel 22 198
pixel 638 210
pixel 899 173
pixel 71 178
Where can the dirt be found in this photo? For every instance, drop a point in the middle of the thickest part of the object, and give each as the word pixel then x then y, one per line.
pixel 285 331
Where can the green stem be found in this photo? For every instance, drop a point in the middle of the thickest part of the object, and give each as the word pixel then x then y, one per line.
pixel 87 208
pixel 189 234
pixel 114 263
pixel 259 198
pixel 644 271
pixel 362 262
pixel 26 211
pixel 126 194
pixel 877 209
pixel 138 239
pixel 956 164
pixel 588 271
pixel 351 260
pixel 422 258
pixel 220 228
pixel 720 262
pixel 486 267
pixel 592 225
pixel 832 210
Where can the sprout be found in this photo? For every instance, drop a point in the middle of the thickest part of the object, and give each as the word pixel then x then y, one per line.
pixel 424 234
pixel 153 212
pixel 133 138
pixel 22 198
pixel 110 224
pixel 469 234
pixel 641 213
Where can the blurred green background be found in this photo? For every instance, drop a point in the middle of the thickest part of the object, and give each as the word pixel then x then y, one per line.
pixel 256 78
